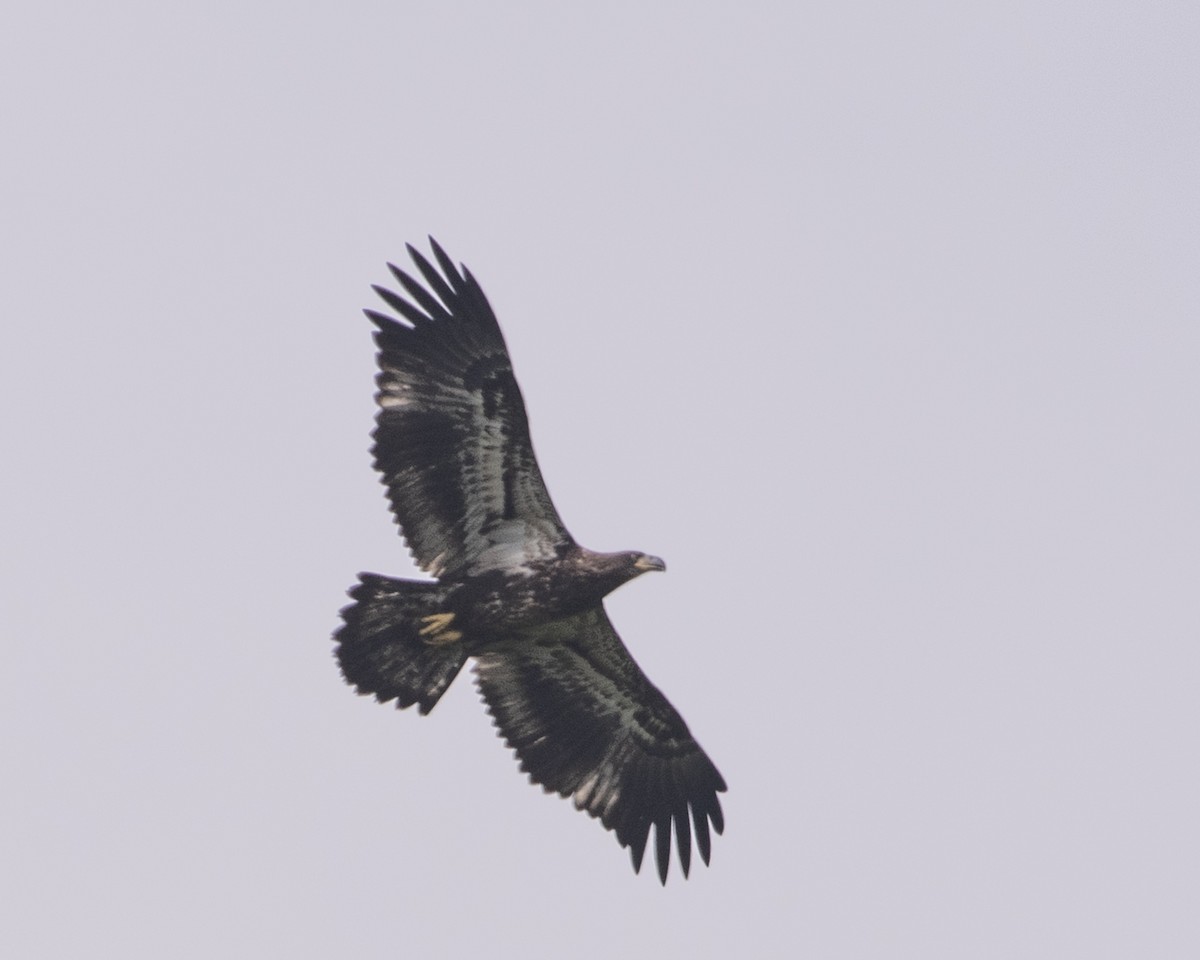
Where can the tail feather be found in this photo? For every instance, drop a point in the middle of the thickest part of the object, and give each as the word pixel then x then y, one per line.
pixel 380 647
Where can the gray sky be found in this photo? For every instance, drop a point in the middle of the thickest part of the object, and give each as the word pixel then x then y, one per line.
pixel 879 322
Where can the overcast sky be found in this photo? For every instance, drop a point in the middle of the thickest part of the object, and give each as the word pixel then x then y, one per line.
pixel 879 322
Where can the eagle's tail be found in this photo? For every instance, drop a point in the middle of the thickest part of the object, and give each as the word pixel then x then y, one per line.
pixel 395 642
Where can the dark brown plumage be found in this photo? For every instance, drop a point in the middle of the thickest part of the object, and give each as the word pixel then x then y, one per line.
pixel 513 589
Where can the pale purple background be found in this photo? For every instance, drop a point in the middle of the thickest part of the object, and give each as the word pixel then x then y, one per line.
pixel 880 322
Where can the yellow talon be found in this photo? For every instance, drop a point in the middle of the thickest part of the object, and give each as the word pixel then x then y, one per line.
pixel 437 630
pixel 444 637
pixel 436 623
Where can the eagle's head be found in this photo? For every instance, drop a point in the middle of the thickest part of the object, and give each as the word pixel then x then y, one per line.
pixel 598 574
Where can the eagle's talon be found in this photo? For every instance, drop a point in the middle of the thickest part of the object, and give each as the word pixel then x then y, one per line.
pixel 437 632
pixel 443 637
pixel 436 623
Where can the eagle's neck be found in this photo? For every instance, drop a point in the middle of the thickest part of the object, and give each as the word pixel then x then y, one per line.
pixel 595 575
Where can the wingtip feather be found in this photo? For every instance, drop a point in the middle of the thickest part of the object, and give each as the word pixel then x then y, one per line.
pixel 717 817
pixel 703 840
pixel 683 838
pixel 662 848
pixel 637 850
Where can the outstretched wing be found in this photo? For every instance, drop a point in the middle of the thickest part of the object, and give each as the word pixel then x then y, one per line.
pixel 452 440
pixel 586 723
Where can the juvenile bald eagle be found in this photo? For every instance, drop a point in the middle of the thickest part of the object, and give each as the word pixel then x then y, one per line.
pixel 513 589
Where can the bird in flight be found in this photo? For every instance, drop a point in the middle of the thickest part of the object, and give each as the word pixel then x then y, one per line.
pixel 512 588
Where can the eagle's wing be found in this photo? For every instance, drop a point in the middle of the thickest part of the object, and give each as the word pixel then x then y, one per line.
pixel 452 441
pixel 587 723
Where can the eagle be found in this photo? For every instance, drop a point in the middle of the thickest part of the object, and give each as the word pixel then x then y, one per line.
pixel 511 589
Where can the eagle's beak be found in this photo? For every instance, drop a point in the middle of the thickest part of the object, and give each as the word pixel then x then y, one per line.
pixel 646 562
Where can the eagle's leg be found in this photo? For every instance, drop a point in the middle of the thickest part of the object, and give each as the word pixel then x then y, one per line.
pixel 437 632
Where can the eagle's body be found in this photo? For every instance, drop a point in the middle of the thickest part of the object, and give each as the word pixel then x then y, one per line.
pixel 513 589
pixel 499 601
